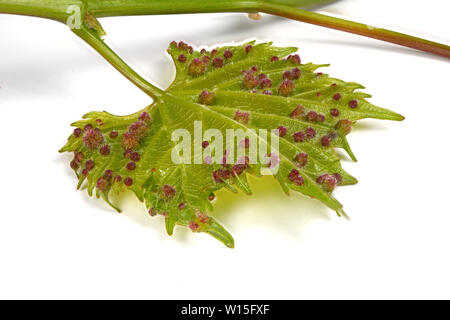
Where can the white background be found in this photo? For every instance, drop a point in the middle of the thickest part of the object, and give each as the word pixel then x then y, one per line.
pixel 59 243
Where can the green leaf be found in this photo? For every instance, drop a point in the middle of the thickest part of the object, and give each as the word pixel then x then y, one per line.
pixel 248 87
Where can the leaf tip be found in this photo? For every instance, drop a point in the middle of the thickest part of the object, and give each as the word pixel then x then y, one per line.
pixel 220 233
pixel 349 151
pixel 341 213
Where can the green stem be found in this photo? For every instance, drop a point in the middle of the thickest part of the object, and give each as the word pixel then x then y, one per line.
pixel 50 9
pixel 95 42
pixel 358 28
pixel 142 7
pixel 57 10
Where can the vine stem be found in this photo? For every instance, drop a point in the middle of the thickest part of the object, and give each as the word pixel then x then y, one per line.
pixel 359 28
pixel 142 7
pixel 57 10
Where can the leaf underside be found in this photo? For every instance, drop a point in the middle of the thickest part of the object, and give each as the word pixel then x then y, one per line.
pixel 225 89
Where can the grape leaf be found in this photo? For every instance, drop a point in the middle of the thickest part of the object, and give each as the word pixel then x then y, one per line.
pixel 250 86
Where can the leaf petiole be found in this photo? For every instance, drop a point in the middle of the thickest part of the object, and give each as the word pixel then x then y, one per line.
pixel 91 38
